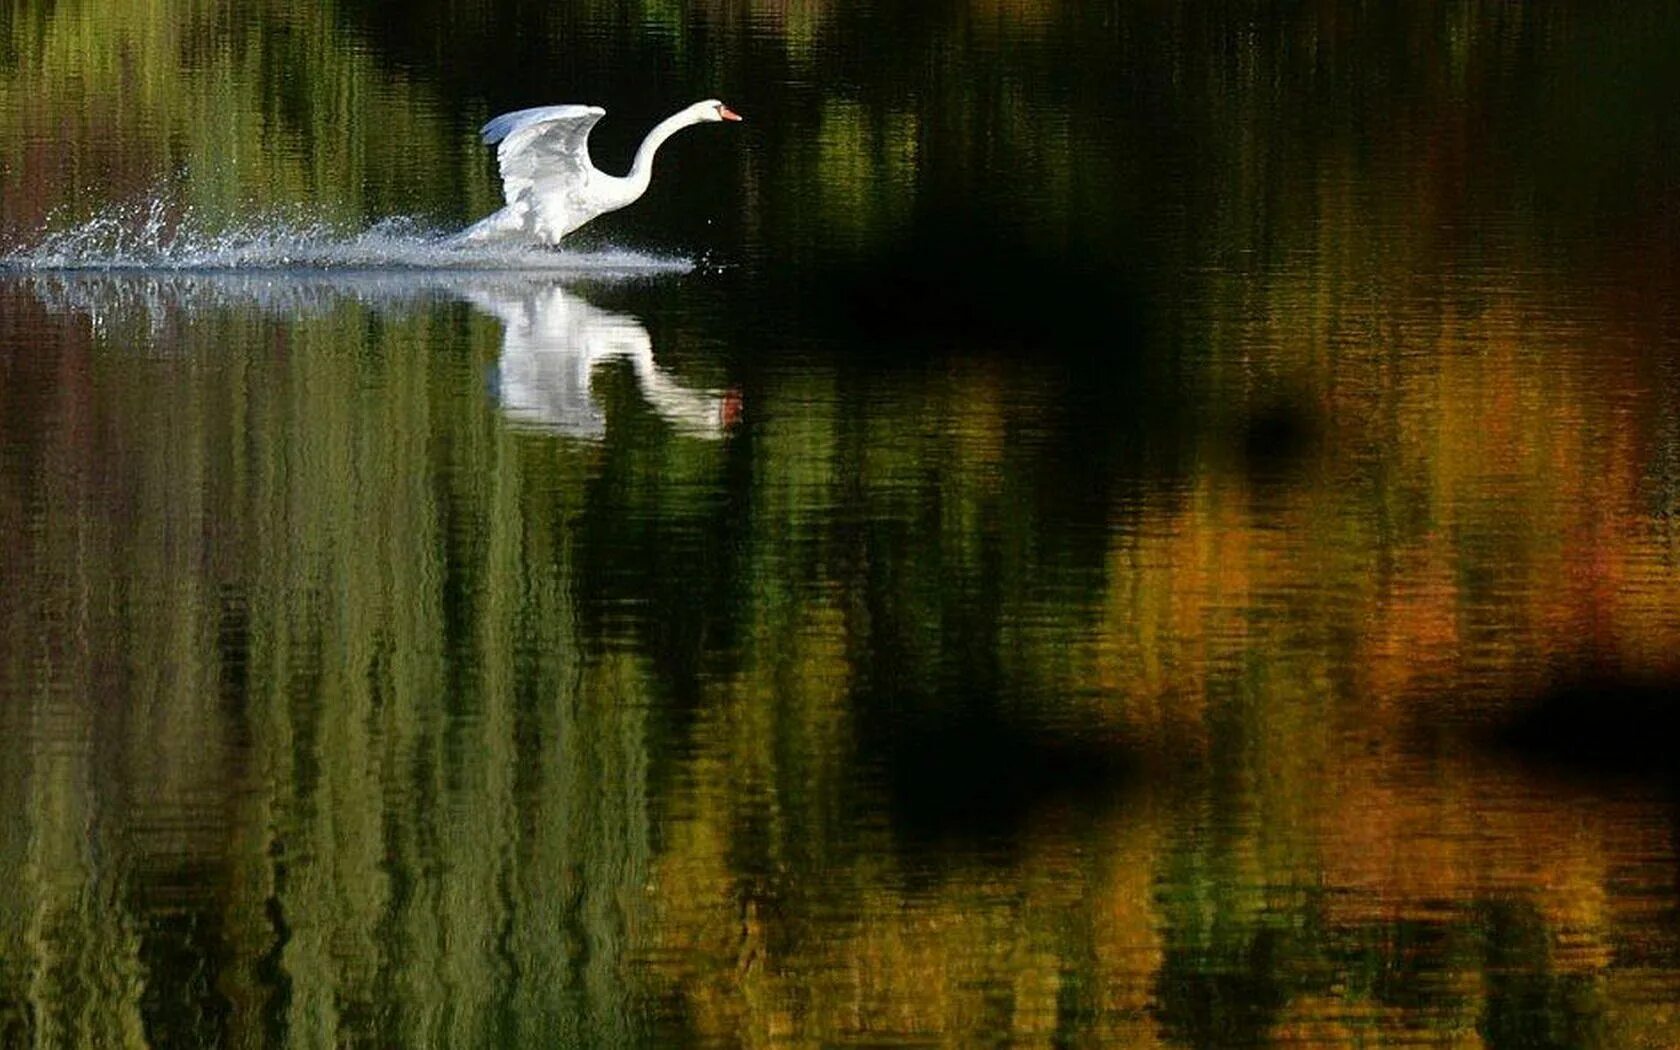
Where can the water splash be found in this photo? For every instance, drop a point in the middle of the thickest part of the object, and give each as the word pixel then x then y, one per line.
pixel 156 233
pixel 155 298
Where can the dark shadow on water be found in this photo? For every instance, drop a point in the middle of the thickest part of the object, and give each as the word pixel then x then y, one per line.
pixel 1277 438
pixel 1274 445
pixel 954 278
pixel 1602 726
pixel 980 781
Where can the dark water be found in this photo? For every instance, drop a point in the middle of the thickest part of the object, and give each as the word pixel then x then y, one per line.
pixel 1035 537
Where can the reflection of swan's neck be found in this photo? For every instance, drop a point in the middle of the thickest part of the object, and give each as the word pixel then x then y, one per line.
pixel 695 412
pixel 641 171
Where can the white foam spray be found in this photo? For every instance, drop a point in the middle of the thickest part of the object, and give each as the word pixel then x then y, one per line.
pixel 156 233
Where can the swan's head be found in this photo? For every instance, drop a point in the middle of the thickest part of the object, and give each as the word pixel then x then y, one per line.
pixel 712 109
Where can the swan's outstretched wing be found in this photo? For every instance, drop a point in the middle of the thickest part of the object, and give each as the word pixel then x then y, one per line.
pixel 550 143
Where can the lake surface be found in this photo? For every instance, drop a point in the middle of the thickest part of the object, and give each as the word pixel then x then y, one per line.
pixel 1036 537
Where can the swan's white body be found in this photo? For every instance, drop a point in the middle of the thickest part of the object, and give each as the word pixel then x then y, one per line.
pixel 550 184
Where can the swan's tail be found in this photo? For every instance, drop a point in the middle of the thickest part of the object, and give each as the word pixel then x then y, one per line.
pixel 500 225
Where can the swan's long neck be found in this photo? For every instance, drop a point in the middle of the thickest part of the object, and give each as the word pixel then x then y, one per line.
pixel 641 171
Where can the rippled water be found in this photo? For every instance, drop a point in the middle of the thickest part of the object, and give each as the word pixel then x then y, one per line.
pixel 1072 525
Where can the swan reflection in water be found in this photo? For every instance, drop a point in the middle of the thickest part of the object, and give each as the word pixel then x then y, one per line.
pixel 552 342
pixel 552 339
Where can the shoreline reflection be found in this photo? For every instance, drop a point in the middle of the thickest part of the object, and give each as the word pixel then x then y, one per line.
pixel 423 732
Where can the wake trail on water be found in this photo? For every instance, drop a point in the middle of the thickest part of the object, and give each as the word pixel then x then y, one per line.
pixel 156 234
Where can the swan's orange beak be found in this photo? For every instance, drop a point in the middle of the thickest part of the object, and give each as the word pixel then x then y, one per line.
pixel 728 114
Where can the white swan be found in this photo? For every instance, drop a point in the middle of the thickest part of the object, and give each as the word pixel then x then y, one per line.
pixel 550 183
